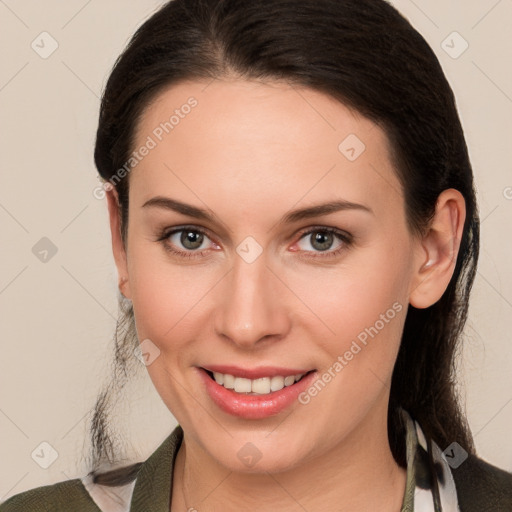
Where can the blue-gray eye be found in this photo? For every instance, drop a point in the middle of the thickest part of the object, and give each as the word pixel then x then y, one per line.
pixel 320 239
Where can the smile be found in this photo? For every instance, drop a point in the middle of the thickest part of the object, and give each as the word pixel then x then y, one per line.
pixel 257 393
pixel 261 386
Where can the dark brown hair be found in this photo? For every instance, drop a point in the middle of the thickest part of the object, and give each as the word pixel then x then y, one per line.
pixel 365 54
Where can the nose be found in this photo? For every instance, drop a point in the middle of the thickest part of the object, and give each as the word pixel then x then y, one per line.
pixel 251 311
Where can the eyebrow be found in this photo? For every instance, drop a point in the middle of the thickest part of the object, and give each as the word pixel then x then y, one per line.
pixel 167 203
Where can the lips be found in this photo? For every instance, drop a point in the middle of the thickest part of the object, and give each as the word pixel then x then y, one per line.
pixel 255 405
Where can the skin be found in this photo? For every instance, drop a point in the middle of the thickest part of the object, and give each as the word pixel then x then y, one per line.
pixel 250 152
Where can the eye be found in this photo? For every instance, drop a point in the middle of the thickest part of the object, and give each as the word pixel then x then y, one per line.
pixel 186 241
pixel 188 238
pixel 322 240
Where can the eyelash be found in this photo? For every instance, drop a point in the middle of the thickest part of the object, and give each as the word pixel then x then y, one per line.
pixel 346 238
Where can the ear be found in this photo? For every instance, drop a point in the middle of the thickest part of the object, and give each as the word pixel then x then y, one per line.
pixel 117 243
pixel 437 251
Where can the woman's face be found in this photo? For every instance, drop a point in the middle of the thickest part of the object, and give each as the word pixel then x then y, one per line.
pixel 264 281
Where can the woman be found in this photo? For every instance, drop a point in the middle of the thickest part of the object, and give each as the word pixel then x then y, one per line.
pixel 296 234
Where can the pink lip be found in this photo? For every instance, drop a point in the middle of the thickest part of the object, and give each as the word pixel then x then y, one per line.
pixel 253 407
pixel 255 373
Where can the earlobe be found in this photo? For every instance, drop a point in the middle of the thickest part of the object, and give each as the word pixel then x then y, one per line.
pixel 118 248
pixel 437 251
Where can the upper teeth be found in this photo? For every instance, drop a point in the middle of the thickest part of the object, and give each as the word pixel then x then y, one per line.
pixel 261 386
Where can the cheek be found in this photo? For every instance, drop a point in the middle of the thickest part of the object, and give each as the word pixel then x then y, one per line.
pixel 364 299
pixel 160 292
pixel 165 303
pixel 172 304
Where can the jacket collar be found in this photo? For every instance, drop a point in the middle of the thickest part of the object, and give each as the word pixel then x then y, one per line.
pixel 153 484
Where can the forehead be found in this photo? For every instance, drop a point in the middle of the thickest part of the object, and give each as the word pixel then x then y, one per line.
pixel 260 143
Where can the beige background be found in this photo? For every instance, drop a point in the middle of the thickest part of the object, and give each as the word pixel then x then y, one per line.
pixel 58 317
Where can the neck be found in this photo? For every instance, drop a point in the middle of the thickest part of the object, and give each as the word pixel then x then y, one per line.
pixel 336 480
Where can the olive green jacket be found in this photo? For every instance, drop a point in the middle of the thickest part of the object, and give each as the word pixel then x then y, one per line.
pixel 468 484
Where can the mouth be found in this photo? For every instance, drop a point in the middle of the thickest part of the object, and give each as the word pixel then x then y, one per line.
pixel 260 386
pixel 257 393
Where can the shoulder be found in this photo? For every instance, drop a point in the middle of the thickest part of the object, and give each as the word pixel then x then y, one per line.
pixel 147 481
pixel 59 497
pixel 482 487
